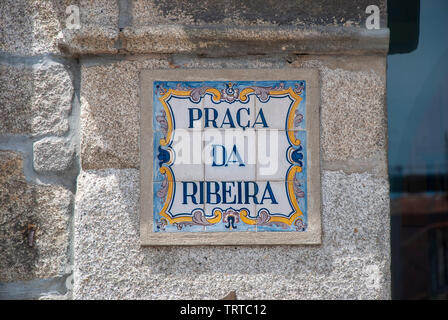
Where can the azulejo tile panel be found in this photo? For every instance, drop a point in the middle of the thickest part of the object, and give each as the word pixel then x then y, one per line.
pixel 228 156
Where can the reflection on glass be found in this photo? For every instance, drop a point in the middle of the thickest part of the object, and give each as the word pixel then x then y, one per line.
pixel 418 160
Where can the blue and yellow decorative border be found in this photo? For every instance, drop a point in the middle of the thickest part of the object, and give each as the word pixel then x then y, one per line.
pixel 232 92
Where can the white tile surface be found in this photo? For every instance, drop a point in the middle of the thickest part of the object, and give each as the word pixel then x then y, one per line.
pixel 280 195
pixel 275 111
pixel 178 206
pixel 188 164
pixel 237 162
pixel 183 109
pixel 272 163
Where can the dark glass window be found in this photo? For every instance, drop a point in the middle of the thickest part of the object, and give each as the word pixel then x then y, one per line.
pixel 417 101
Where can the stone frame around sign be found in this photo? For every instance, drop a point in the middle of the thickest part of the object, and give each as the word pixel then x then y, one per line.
pixel 313 233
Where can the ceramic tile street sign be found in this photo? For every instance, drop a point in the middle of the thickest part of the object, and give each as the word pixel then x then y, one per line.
pixel 230 157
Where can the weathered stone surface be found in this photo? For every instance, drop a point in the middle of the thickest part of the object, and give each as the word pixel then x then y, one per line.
pixel 99 29
pixel 39 27
pixel 225 41
pixel 52 154
pixel 35 100
pixel 34 235
pixel 243 27
pixel 29 27
pixel 353 112
pixel 110 107
pixel 253 12
pixel 353 261
pixel 32 27
pixel 43 289
pixel 250 27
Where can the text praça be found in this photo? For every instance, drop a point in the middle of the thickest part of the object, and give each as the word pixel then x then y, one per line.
pixel 240 118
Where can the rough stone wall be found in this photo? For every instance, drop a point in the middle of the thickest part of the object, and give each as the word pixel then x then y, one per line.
pixel 39 158
pixel 69 149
